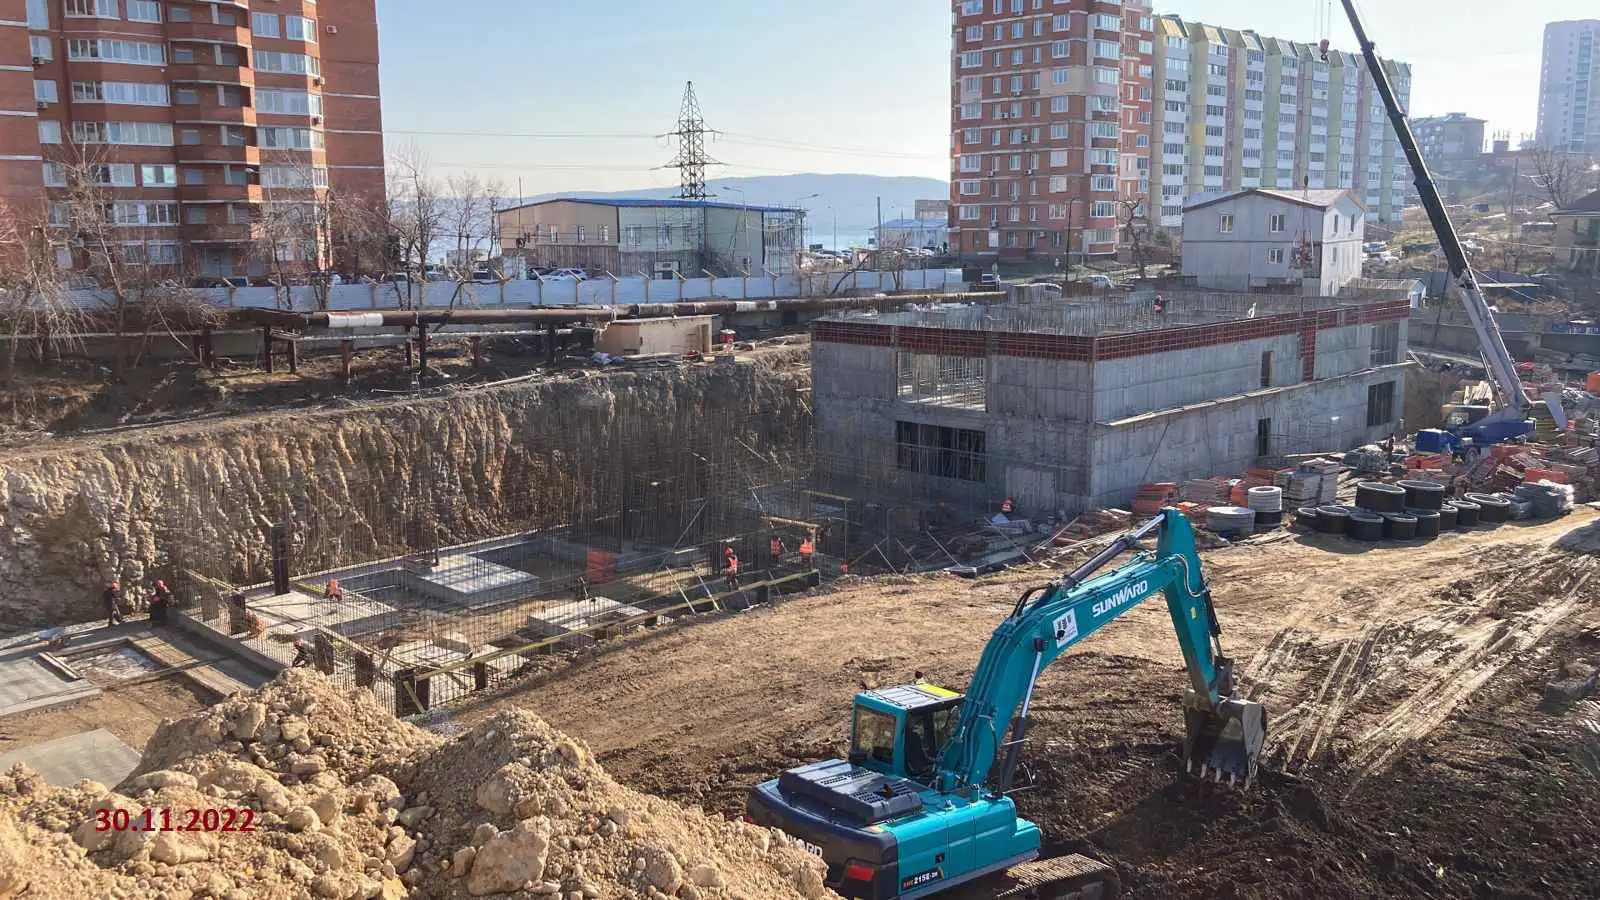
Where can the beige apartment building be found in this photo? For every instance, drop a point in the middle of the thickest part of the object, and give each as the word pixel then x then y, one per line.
pixel 196 121
pixel 1237 110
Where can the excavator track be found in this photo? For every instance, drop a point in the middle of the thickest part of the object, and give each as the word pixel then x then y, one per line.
pixel 1070 877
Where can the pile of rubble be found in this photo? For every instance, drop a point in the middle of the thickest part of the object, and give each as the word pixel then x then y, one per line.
pixel 320 793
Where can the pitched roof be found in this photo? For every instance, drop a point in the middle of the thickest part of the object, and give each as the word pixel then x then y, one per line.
pixel 1322 198
pixel 1588 204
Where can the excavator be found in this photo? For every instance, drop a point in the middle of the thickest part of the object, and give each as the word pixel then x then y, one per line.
pixel 922 806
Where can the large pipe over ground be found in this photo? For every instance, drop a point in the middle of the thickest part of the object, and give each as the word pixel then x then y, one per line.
pixel 564 314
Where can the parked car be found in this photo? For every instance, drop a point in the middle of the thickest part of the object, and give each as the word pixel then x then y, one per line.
pixel 484 276
pixel 988 279
pixel 1100 282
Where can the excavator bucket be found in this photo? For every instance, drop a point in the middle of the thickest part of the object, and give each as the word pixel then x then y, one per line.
pixel 1224 740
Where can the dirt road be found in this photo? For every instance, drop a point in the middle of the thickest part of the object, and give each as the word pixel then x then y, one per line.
pixel 1409 749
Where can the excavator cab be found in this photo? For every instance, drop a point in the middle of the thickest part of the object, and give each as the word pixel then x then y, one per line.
pixel 902 730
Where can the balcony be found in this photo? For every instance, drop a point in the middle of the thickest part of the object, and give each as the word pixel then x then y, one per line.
pixel 215 153
pixel 219 234
pixel 208 112
pixel 216 192
pixel 209 33
pixel 210 73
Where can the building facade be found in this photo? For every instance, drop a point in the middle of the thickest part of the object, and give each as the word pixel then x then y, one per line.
pixel 1452 144
pixel 1569 87
pixel 914 233
pixel 658 238
pixel 1237 110
pixel 1050 126
pixel 1305 242
pixel 1071 407
pixel 196 123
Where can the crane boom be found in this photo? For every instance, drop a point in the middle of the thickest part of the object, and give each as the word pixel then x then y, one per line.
pixel 1512 399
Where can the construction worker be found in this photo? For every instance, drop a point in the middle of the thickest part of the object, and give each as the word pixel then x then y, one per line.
pixel 808 546
pixel 1161 305
pixel 777 549
pixel 302 654
pixel 1007 507
pixel 332 591
pixel 1388 448
pixel 160 602
pixel 112 598
pixel 730 567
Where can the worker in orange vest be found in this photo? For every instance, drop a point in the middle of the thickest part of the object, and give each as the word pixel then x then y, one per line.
pixel 332 591
pixel 807 548
pixel 730 567
pixel 777 549
pixel 1007 507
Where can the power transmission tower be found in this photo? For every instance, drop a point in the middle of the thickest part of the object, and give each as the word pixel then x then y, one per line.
pixel 691 160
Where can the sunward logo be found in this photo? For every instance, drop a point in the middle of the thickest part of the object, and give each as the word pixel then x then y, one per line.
pixel 1122 598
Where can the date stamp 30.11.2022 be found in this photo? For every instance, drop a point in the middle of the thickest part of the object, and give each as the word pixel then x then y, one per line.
pixel 231 819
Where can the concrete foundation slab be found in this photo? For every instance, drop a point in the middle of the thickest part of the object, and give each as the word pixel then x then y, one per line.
pixel 117 664
pixel 97 755
pixel 300 614
pixel 578 617
pixel 472 582
pixel 30 683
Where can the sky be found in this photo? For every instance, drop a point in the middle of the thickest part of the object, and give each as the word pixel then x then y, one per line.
pixel 564 95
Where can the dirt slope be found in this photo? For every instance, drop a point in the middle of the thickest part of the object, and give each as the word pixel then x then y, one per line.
pixel 1410 749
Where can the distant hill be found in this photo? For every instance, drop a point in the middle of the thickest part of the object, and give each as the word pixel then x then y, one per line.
pixel 852 197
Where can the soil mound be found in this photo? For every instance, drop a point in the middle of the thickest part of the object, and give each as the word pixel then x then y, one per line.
pixel 301 790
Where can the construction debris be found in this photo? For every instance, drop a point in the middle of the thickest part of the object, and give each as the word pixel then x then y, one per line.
pixel 314 792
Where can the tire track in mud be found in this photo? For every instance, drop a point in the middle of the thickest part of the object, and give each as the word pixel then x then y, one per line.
pixel 1550 586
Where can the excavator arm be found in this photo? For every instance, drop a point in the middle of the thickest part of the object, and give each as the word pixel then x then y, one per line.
pixel 1225 733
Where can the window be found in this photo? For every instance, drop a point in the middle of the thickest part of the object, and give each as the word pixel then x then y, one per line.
pixel 1380 404
pixel 39 14
pixel 300 28
pixel 1266 367
pixel 1103 129
pixel 1106 50
pixel 1275 256
pixel 190 136
pixel 49 131
pixel 972 59
pixel 54 175
pixel 290 138
pixel 1227 223
pixel 1142 140
pixel 942 452
pixel 1276 223
pixel 114 175
pixel 41 47
pixel 290 63
pixel 1058 158
pixel 144 11
pixel 1218 111
pixel 972 110
pixel 194 176
pixel 92 9
pixel 1106 22
pixel 1058 184
pixel 1058 131
pixel 1103 209
pixel 45 91
pixel 1176 106
pixel 1103 157
pixel 130 93
pixel 1103 75
pixel 1102 183
pixel 971 162
pixel 968 212
pixel 158 175
pixel 1060 23
pixel 186 96
pixel 1386 344
pixel 149 134
pixel 148 213
pixel 133 52
pixel 264 25
pixel 294 103
pixel 182 54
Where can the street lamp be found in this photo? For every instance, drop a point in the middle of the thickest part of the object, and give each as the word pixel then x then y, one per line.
pixel 798 203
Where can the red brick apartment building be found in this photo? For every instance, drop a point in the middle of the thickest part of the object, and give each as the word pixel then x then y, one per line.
pixel 1051 104
pixel 194 117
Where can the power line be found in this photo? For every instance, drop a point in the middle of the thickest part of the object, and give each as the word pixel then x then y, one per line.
pixel 784 143
pixel 691 159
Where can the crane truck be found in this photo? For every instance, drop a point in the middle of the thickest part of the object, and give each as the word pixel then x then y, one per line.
pixel 922 805
pixel 1509 419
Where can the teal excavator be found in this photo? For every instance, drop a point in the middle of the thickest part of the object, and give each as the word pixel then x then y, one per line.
pixel 920 808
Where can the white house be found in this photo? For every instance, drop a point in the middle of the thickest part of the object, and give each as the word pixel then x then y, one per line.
pixel 1261 238
pixel 916 233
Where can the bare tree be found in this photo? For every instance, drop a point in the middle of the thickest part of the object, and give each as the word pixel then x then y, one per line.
pixel 1133 214
pixel 1562 178
pixel 417 218
pixel 293 231
pixel 362 236
pixel 125 250
pixel 36 305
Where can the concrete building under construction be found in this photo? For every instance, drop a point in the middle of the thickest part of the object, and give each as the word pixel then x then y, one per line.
pixel 1072 407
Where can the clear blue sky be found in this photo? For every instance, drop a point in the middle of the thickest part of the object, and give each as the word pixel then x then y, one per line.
pixel 805 87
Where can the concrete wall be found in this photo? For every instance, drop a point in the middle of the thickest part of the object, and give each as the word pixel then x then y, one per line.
pixel 733 239
pixel 1220 438
pixel 1139 384
pixel 564 216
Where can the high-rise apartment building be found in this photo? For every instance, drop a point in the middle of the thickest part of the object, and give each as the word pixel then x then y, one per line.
pixel 1569 87
pixel 195 120
pixel 1050 125
pixel 1236 110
